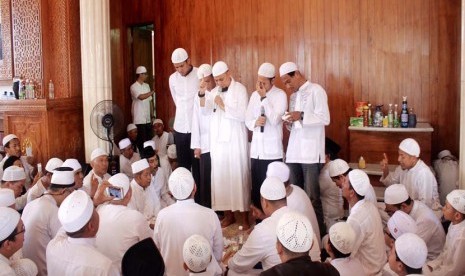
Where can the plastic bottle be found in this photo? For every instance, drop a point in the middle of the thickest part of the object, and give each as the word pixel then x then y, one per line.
pixel 390 116
pixel 385 121
pixel 365 116
pixel 404 113
pixel 51 90
pixel 240 237
pixel 361 163
pixel 370 117
pixel 396 117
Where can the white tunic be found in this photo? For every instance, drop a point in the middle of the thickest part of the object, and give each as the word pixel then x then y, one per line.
pixel 429 228
pixel 163 142
pixel 201 116
pixel 77 257
pixel 268 144
pixel 36 191
pixel 140 108
pixel 144 201
pixel 40 218
pixel 86 185
pixel 178 222
pixel 125 164
pixel 160 186
pixel 5 267
pixel 119 229
pixel 369 245
pixel 331 198
pixel 307 144
pixel 348 266
pixel 450 261
pixel 183 90
pixel 230 179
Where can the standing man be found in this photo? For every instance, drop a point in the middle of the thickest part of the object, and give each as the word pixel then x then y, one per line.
pixel 307 117
pixel 141 107
pixel 266 107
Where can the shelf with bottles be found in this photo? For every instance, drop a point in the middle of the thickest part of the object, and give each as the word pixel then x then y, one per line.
pixel 421 127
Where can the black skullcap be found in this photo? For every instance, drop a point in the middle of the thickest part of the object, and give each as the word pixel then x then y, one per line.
pixel 147 152
pixel 143 258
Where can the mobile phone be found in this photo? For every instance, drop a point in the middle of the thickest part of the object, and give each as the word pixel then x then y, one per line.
pixel 116 192
pixel 39 168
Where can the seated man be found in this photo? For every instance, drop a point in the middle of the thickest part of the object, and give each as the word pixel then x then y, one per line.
pixel 77 170
pixel 408 255
pixel 44 182
pixel 12 146
pixel 198 258
pixel 14 179
pixel 127 157
pixel 162 138
pixel 99 164
pixel 133 137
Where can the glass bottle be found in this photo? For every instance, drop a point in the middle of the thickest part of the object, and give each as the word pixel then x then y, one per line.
pixel 412 118
pixel 390 116
pixel 404 113
pixel 370 117
pixel 396 117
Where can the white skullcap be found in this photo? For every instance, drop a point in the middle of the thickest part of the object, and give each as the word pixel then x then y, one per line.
pixel 181 183
pixel 141 69
pixel 13 173
pixel 131 127
pixel 287 68
pixel 444 153
pixel 124 143
pixel 158 121
pixel 196 253
pixel 8 138
pixel 24 267
pixel 456 198
pixel 266 70
pixel 401 223
pixel 295 232
pixel 7 197
pixel 171 152
pixel 278 169
pixel 53 163
pixel 204 70
pixel 342 237
pixel 9 219
pixel 338 167
pixel 96 153
pixel 410 146
pixel 63 177
pixel 395 194
pixel 139 166
pixel 150 143
pixel 120 180
pixel 273 189
pixel 179 55
pixel 219 68
pixel 411 250
pixel 359 181
pixel 75 211
pixel 72 163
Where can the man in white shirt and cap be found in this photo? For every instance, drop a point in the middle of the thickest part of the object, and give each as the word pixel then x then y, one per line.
pixel 98 174
pixel 229 146
pixel 40 217
pixel 364 218
pixel 12 146
pixel 133 135
pixel 429 227
pixel 200 140
pixel 44 182
pixel 307 117
pixel 184 85
pixel 73 251
pixel 197 255
pixel 14 178
pixel 331 195
pixel 161 138
pixel 266 107
pixel 408 255
pixel 412 172
pixel 77 170
pixel 142 105
pixel 181 220
pixel 120 227
pixel 7 198
pixel 127 157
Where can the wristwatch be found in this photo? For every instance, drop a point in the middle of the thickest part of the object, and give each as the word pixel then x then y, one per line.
pixel 302 115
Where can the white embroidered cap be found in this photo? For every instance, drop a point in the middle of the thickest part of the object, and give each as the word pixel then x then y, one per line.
pixel 124 143
pixel 220 67
pixel 267 70
pixel 72 163
pixel 120 180
pixel 456 198
pixel 139 166
pixel 395 194
pixel 141 69
pixel 359 181
pixel 150 143
pixel 411 250
pixel 204 70
pixel 338 167
pixel 196 253
pixel 171 152
pixel 7 197
pixel 273 189
pixel 13 173
pixel 131 127
pixel 295 232
pixel 158 121
pixel 181 183
pixel 342 237
pixel 75 211
pixel 179 55
pixel 97 153
pixel 410 146
pixel 278 169
pixel 8 138
pixel 401 223
pixel 63 177
pixel 287 68
pixel 9 219
pixel 53 163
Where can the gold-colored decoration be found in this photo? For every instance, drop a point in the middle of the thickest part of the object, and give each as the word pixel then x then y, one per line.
pixel 25 145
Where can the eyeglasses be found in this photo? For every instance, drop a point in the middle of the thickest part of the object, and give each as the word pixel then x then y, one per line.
pixel 23 229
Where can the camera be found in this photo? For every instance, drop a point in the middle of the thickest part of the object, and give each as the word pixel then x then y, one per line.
pixel 116 192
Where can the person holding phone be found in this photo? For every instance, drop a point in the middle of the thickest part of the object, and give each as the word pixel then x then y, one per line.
pixel 99 164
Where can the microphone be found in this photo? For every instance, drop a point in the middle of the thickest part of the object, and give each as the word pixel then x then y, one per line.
pixel 262 111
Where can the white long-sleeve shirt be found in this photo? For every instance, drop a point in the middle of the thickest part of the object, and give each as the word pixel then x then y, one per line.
pixel 125 164
pixel 268 144
pixel 183 90
pixel 5 267
pixel 36 191
pixel 144 201
pixel 201 126
pixel 348 266
pixel 331 198
pixel 178 222
pixel 163 142
pixel 86 182
pixel 307 144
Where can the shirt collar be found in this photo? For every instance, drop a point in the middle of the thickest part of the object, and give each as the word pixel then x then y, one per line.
pixel 90 242
pixel 304 86
pixel 4 259
pixel 357 205
pixel 185 201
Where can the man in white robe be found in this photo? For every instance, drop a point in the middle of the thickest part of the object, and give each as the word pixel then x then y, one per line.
pixel 127 157
pixel 161 138
pixel 408 255
pixel 99 164
pixel 12 146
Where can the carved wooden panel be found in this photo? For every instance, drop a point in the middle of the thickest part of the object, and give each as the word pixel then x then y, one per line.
pixel 6 66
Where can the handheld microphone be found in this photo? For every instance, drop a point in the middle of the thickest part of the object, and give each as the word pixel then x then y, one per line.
pixel 262 111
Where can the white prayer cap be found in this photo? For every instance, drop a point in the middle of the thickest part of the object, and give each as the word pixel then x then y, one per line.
pixel 9 219
pixel 395 194
pixel 204 70
pixel 171 152
pixel 96 153
pixel 139 166
pixel 179 55
pixel 359 181
pixel 267 70
pixel 196 253
pixel 7 197
pixel 287 68
pixel 456 198
pixel 158 121
pixel 410 146
pixel 72 163
pixel 278 169
pixel 141 69
pixel 295 232
pixel 181 183
pixel 131 127
pixel 13 173
pixel 63 177
pixel 8 138
pixel 53 163
pixel 124 143
pixel 338 167
pixel 401 223
pixel 220 67
pixel 342 237
pixel 120 180
pixel 150 143
pixel 24 267
pixel 273 188
pixel 444 153
pixel 411 250
pixel 75 211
